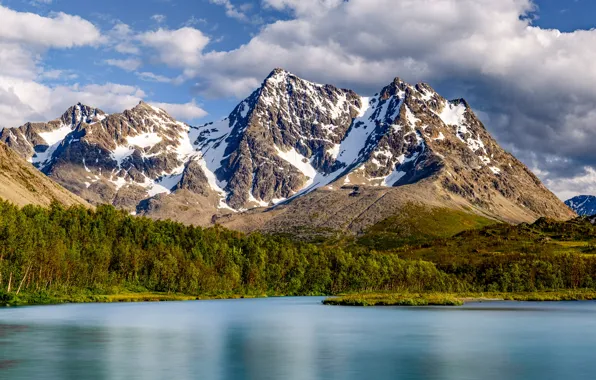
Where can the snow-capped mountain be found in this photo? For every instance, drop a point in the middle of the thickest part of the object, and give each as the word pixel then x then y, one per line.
pixel 290 138
pixel 583 205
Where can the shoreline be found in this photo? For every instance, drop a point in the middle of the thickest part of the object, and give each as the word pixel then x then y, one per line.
pixel 31 300
pixel 454 299
pixel 358 299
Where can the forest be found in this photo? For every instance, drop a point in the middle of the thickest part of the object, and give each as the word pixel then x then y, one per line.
pixel 57 253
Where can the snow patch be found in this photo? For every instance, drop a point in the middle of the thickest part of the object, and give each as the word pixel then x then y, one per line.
pixel 334 151
pixel 53 139
pixel 413 120
pixel 121 153
pixel 299 162
pixel 453 114
pixel 495 170
pixel 145 140
pixel 57 135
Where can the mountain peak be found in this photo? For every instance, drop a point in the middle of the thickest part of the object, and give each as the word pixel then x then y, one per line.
pixel 277 76
pixel 80 112
pixel 395 88
pixel 144 106
pixel 279 71
pixel 583 205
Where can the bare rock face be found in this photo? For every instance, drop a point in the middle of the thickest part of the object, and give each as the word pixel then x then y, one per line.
pixel 194 179
pixel 292 144
pixel 275 141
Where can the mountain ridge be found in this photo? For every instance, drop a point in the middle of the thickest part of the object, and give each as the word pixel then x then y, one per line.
pixel 289 139
pixel 583 205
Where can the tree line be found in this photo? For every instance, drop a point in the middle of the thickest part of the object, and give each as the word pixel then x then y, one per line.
pixel 63 250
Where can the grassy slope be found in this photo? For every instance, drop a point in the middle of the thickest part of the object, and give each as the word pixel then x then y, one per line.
pixel 543 237
pixel 416 224
pixel 23 184
pixel 25 299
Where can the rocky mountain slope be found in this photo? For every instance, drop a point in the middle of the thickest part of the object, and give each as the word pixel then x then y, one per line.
pixel 300 146
pixel 583 205
pixel 22 184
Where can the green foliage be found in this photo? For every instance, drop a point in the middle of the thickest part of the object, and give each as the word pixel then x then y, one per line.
pixel 65 255
pixel 79 255
pixel 447 299
pixel 396 299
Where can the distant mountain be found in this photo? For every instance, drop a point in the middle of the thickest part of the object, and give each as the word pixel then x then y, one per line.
pixel 293 144
pixel 22 184
pixel 583 205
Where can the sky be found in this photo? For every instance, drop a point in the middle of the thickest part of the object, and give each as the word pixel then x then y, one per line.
pixel 525 66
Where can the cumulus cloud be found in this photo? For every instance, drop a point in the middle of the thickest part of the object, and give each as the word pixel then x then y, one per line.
pixel 176 48
pixel 231 10
pixel 60 31
pixel 188 112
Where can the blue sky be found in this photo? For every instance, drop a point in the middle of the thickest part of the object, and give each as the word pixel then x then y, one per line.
pixel 533 83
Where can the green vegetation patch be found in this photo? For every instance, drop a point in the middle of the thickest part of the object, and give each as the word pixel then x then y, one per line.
pixel 417 224
pixel 455 299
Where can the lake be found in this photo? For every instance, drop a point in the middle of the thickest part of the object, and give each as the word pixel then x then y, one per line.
pixel 298 338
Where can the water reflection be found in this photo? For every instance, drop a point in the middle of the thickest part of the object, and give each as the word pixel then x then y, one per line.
pixel 297 339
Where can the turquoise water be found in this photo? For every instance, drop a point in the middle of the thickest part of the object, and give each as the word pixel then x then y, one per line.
pixel 298 338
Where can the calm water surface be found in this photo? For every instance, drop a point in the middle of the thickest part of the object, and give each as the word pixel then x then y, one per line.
pixel 298 338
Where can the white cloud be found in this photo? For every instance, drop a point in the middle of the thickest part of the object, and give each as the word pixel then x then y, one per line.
pixel 16 60
pixel 59 31
pixel 188 112
pixel 130 64
pixel 231 10
pixel 159 18
pixel 176 48
pixel 152 77
pixel 566 188
pixel 122 38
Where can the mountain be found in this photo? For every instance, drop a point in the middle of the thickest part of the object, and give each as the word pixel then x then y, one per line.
pixel 583 205
pixel 302 147
pixel 121 159
pixel 22 184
